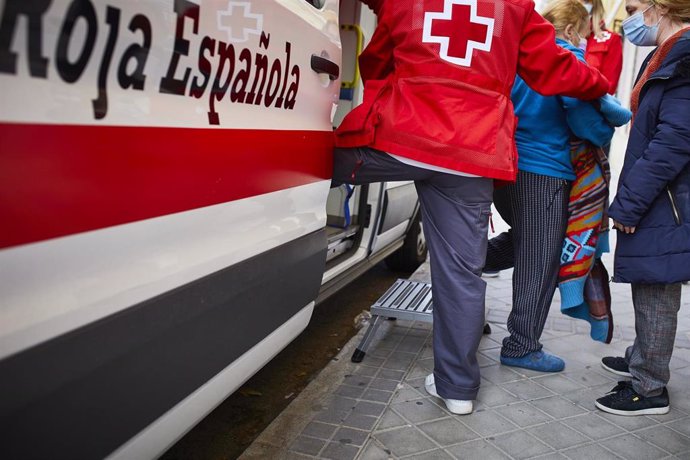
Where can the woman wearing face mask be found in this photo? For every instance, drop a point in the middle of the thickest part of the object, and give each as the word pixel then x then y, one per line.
pixel 536 205
pixel 651 209
pixel 604 48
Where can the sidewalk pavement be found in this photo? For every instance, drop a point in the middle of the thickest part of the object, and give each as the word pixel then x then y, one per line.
pixel 379 409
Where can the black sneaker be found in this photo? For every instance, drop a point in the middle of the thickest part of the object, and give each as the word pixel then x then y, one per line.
pixel 624 400
pixel 617 365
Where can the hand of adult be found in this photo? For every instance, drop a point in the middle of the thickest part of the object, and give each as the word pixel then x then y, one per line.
pixel 623 228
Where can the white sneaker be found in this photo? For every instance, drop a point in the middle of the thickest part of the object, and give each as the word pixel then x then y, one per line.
pixel 456 406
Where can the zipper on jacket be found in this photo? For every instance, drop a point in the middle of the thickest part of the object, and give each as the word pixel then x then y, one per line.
pixel 676 214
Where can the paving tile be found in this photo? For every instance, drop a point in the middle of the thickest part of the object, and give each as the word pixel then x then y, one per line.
pixel 307 445
pixel 338 451
pixel 356 380
pixel 390 420
pixel 418 411
pixel 551 456
pixel 371 360
pixel 416 372
pixel 494 395
pixel 499 374
pixel 523 414
pixel 487 423
pixel 585 398
pixel 377 395
pixel 628 423
pixel 559 383
pixel 632 448
pixel 407 393
pixel 447 431
pixel 682 426
pixel 369 408
pixel 557 435
pixel 666 439
pixel 382 352
pixel 488 344
pixel 295 456
pixel 411 344
pixel 319 430
pixel 360 422
pixel 399 361
pixel 418 384
pixel 404 441
pixel 391 374
pixel 558 407
pixel 348 391
pixel 590 378
pixel 673 414
pixel 593 426
pixel 372 451
pixel 351 436
pixel 590 452
pixel 684 455
pixel 437 454
pixel 365 371
pixel 477 450
pixel 519 444
pixel 485 359
pixel 333 416
pixel 526 389
pixel 341 403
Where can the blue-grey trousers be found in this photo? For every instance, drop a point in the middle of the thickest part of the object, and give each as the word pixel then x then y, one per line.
pixel 656 318
pixel 455 213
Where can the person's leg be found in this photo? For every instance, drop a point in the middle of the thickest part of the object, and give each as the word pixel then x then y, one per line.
pixel 541 204
pixel 656 315
pixel 500 253
pixel 363 165
pixel 455 212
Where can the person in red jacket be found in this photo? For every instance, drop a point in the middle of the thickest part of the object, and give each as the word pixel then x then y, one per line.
pixel 604 49
pixel 437 80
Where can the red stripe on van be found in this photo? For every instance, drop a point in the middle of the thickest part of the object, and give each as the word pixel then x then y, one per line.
pixel 57 180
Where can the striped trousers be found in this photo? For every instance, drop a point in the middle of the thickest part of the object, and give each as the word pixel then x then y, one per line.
pixel 536 208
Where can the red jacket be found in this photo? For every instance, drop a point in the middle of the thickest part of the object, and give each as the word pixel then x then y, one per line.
pixel 606 55
pixel 446 101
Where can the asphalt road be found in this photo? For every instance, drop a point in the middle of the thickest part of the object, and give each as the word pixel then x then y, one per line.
pixel 227 431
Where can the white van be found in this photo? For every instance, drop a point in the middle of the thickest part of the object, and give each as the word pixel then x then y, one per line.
pixel 167 219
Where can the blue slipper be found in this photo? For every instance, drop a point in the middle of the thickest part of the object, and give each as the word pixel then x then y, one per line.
pixel 536 361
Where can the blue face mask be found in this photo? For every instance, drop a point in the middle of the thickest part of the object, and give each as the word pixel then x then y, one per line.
pixel 638 32
pixel 588 7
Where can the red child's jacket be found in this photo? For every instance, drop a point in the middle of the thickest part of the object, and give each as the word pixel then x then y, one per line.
pixel 438 75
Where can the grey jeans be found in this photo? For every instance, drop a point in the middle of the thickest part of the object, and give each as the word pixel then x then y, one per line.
pixel 656 317
pixel 455 212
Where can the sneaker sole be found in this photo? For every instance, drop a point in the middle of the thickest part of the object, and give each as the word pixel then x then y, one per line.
pixel 613 371
pixel 435 394
pixel 650 411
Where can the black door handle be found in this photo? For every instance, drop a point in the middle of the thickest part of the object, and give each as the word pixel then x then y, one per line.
pixel 323 65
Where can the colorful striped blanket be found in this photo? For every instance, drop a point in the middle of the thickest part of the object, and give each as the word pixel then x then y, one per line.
pixel 583 280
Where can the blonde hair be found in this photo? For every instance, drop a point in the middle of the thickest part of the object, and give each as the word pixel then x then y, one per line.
pixel 560 13
pixel 598 14
pixel 678 10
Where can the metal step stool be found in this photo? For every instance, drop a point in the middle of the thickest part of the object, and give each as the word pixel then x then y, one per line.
pixel 405 299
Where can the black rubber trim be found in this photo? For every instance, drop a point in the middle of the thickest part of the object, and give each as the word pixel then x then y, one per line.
pixel 85 393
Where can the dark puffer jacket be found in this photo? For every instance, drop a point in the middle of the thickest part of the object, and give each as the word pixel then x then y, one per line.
pixel 654 187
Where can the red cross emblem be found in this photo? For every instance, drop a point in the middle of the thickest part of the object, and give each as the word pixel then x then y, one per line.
pixel 459 31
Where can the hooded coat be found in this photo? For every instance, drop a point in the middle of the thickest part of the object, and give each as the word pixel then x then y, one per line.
pixel 654 186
